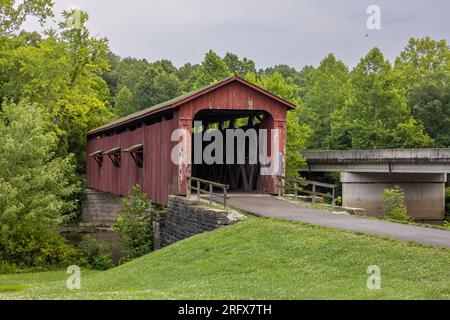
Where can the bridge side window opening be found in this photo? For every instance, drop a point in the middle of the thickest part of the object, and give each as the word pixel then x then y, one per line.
pixel 114 156
pixel 98 157
pixel 137 153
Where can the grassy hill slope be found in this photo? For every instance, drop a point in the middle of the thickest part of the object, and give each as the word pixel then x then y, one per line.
pixel 258 259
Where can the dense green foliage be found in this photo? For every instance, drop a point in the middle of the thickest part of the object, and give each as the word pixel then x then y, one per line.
pixel 260 259
pixel 135 225
pixel 60 72
pixel 14 13
pixel 34 188
pixel 93 254
pixel 430 105
pixel 327 92
pixel 394 207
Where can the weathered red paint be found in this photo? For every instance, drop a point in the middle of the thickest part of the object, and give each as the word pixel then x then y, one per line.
pixel 159 176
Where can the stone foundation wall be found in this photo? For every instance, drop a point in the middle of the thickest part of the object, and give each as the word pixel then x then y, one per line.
pixel 100 209
pixel 186 218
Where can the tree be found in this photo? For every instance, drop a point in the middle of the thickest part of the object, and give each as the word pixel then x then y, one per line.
pixel 61 73
pixel 156 85
pixel 328 90
pixel 425 68
pixel 14 13
pixel 213 69
pixel 34 188
pixel 87 54
pixel 237 66
pixel 124 73
pixel 135 225
pixel 394 206
pixel 422 57
pixel 188 75
pixel 377 116
pixel 296 134
pixel 125 103
pixel 430 104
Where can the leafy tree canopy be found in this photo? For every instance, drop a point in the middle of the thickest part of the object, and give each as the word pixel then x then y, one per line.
pixel 421 57
pixel 14 13
pixel 61 72
pixel 430 105
pixel 34 188
pixel 377 115
pixel 328 90
pixel 212 69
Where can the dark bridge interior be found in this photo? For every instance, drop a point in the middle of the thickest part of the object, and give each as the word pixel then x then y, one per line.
pixel 240 177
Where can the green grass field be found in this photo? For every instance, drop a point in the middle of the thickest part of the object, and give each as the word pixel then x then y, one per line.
pixel 258 259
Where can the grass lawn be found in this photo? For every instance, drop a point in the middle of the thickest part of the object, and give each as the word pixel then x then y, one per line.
pixel 258 259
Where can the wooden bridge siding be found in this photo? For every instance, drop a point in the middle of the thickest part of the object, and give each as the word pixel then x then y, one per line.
pixel 109 178
pixel 157 178
pixel 130 173
pixel 159 171
pixel 93 171
pixel 236 96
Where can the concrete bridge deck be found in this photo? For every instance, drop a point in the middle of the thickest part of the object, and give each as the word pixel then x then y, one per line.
pixel 379 160
pixel 270 206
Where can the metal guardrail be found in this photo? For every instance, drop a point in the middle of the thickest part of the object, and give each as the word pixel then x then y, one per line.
pixel 297 185
pixel 210 190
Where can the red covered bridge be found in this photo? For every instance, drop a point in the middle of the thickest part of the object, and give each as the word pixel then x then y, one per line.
pixel 137 149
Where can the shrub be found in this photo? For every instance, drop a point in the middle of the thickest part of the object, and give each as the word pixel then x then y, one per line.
pixel 135 225
pixel 6 268
pixel 446 225
pixel 34 189
pixel 394 204
pixel 94 255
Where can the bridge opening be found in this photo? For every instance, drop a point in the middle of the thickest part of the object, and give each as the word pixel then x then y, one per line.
pixel 220 157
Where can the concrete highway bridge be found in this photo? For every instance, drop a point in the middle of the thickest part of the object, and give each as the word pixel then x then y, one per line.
pixel 421 173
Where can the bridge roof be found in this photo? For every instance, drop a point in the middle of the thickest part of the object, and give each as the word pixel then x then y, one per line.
pixel 183 99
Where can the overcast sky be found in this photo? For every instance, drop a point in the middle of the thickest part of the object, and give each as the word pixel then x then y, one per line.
pixel 293 32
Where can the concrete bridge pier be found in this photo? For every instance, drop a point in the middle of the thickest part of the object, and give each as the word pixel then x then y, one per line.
pixel 424 192
pixel 421 173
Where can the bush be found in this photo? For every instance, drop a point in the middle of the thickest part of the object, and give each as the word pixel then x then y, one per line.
pixel 135 225
pixel 6 268
pixel 94 255
pixel 394 206
pixel 446 225
pixel 34 189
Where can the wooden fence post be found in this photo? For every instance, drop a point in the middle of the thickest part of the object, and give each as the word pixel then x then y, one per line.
pixel 210 194
pixel 198 190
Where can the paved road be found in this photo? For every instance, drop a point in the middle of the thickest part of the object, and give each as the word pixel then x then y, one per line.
pixel 268 206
